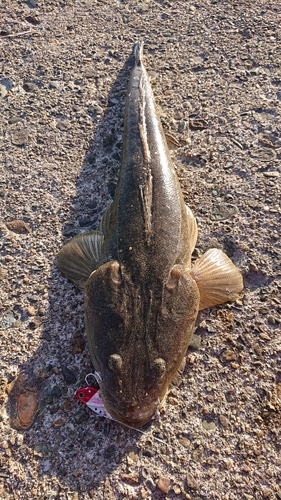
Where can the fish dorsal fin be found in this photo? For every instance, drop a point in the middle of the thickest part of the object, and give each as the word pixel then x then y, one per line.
pixel 82 255
pixel 192 228
pixel 217 278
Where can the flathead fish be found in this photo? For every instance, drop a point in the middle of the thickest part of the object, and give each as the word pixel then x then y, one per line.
pixel 142 295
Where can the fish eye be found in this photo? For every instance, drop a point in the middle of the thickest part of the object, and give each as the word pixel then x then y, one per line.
pixel 114 362
pixel 80 395
pixel 158 367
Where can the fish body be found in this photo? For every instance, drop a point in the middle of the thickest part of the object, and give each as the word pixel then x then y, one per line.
pixel 141 295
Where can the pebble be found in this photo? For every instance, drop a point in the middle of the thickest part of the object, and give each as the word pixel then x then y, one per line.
pixel 9 319
pixel 3 91
pixel 81 416
pixel 271 173
pixel 208 426
pixel 163 484
pixel 198 123
pixel 224 421
pixel 30 87
pixel 18 226
pixel 223 211
pixel 59 422
pixel 77 343
pixel 14 119
pixel 31 311
pixel 184 442
pixel 19 137
pixel 68 375
pixel 191 481
pixel 3 274
pixel 130 479
pixel 263 154
pixel 56 392
pixel 43 449
pixel 195 342
pixel 63 125
pixel 95 108
pixel 27 406
pixel 177 489
pixel 67 405
pixel 228 355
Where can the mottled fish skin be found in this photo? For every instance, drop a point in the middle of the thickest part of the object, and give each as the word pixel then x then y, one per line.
pixel 142 298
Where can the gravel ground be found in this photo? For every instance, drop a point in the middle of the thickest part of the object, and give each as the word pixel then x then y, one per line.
pixel 215 71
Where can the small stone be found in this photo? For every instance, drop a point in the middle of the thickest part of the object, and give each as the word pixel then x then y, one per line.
pixel 177 489
pixel 163 484
pixel 31 311
pixel 130 479
pixel 81 416
pixel 172 400
pixel 229 464
pixel 258 350
pixel 10 319
pixel 223 211
pixel 95 108
pixel 3 91
pixel 30 87
pixel 108 141
pixel 224 421
pixel 272 173
pixel 56 391
pixel 90 73
pixel 68 375
pixel 19 137
pixel 59 422
pixel 184 442
pixel 191 481
pixel 198 123
pixel 14 119
pixel 42 449
pixel 271 320
pixel 63 125
pixel 67 405
pixel 228 355
pixel 195 342
pixel 77 343
pixel 3 274
pixel 132 458
pixel 27 406
pixel 263 154
pixel 208 426
pixel 18 226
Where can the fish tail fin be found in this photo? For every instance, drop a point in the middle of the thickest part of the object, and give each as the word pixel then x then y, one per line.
pixel 138 51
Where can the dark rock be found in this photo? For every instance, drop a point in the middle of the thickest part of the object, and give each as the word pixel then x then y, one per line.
pixel 81 416
pixel 56 391
pixel 30 87
pixel 68 375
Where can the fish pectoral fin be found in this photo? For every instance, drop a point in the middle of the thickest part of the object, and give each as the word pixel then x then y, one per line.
pixel 81 256
pixel 217 278
pixel 108 219
pixel 192 228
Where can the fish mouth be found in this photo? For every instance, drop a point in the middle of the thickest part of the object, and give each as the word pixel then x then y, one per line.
pixel 133 418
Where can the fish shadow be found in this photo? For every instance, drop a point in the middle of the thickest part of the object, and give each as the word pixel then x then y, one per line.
pixel 68 440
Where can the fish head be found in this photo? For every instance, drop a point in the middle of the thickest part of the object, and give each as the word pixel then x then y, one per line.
pixel 138 337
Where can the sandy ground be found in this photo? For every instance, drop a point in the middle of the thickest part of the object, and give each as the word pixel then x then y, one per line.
pixel 215 71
